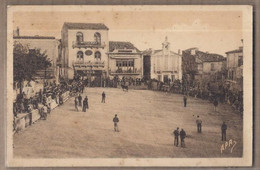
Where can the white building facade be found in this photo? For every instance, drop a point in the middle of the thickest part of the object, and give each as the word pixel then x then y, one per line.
pixel 165 64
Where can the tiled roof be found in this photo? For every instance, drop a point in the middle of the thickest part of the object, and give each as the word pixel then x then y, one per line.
pixel 33 37
pixel 88 26
pixel 235 51
pixel 121 45
pixel 206 57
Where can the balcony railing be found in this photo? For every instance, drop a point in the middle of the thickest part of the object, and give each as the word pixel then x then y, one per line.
pixel 119 71
pixel 88 44
pixel 88 64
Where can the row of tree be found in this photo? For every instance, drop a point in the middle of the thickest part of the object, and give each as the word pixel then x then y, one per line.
pixel 26 63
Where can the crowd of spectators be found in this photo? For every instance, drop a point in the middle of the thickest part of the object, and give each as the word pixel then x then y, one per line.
pixel 220 93
pixel 51 91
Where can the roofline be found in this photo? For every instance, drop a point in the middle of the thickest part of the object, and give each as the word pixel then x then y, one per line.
pixel 66 27
pixel 137 53
pixel 234 51
pixel 157 51
pixel 135 48
pixel 32 37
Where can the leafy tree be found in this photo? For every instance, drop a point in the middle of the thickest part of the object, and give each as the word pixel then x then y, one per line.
pixel 26 63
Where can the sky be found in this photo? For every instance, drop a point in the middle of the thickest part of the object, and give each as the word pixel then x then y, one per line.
pixel 211 31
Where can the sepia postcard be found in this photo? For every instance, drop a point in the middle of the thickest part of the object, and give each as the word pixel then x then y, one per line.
pixel 129 86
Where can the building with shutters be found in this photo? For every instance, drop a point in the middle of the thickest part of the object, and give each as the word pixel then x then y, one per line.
pixel 125 60
pixel 84 50
pixel 235 68
pixel 201 68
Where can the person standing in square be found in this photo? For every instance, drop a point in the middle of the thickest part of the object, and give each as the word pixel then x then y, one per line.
pixel 185 100
pixel 223 131
pixel 103 98
pixel 80 100
pixel 182 136
pixel 116 120
pixel 76 104
pixel 199 122
pixel 215 103
pixel 176 136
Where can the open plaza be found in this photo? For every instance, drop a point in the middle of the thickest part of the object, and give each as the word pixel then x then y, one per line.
pixel 147 120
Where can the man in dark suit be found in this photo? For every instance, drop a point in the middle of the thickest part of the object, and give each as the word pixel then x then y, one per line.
pixel 116 120
pixel 223 131
pixel 176 136
pixel 103 98
pixel 182 136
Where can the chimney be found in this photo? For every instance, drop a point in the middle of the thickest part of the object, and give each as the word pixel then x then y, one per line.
pixel 179 51
pixel 193 51
pixel 18 31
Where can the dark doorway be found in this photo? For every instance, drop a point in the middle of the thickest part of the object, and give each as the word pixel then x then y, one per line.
pixel 147 67
pixel 165 79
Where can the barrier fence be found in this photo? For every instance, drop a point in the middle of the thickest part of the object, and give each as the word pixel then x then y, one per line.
pixel 24 120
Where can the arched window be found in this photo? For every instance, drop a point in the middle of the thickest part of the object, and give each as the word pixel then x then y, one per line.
pixel 79 37
pixel 97 37
pixel 80 56
pixel 97 55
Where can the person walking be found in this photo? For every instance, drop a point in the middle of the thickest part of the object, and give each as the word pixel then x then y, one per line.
pixel 223 131
pixel 103 98
pixel 116 120
pixel 176 136
pixel 80 100
pixel 84 105
pixel 86 98
pixel 199 122
pixel 215 103
pixel 76 104
pixel 182 136
pixel 185 100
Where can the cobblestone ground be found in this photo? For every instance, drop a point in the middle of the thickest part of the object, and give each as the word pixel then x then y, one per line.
pixel 147 120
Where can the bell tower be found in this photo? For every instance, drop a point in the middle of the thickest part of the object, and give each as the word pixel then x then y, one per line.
pixel 166 46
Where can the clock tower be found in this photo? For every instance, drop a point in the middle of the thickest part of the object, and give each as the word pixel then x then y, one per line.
pixel 166 46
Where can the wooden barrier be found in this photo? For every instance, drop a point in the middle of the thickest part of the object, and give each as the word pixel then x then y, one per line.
pixel 65 96
pixel 35 115
pixel 24 119
pixel 20 122
pixel 53 104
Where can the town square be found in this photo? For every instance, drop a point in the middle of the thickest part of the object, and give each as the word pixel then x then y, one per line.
pixel 86 87
pixel 146 126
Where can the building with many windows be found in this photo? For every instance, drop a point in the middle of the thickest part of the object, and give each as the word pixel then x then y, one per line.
pixel 235 68
pixel 125 60
pixel 84 50
pixel 202 68
pixel 163 64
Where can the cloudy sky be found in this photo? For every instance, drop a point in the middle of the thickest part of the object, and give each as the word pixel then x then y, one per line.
pixel 215 31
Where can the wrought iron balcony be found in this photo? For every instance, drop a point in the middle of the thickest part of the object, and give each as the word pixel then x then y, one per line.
pixel 88 44
pixel 125 72
pixel 88 64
